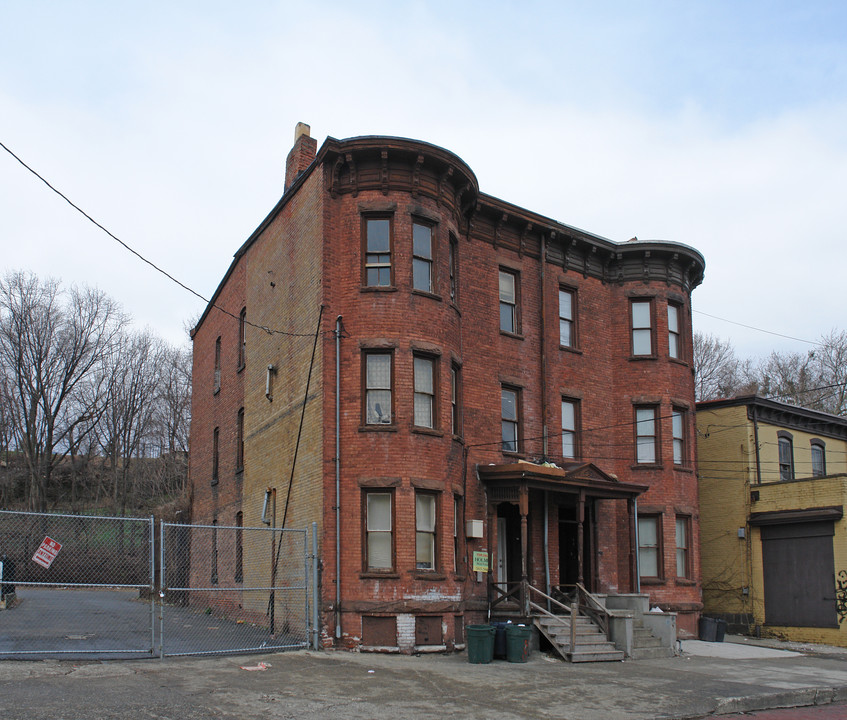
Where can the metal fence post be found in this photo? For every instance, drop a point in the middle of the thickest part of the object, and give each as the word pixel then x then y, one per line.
pixel 315 593
pixel 162 589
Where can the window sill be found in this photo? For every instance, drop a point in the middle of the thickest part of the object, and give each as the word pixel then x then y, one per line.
pixel 427 294
pixel 516 455
pixel 378 428
pixel 686 582
pixel 516 336
pixel 427 431
pixel 374 575
pixel 678 361
pixel 683 468
pixel 428 575
pixel 378 288
pixel 638 358
pixel 652 581
pixel 570 349
pixel 459 439
pixel 646 466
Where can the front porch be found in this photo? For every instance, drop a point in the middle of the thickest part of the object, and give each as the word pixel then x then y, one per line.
pixel 564 559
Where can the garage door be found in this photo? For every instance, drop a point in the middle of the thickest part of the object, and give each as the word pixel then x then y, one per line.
pixel 799 574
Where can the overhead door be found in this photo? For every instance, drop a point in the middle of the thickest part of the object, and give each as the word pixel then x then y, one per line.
pixel 799 574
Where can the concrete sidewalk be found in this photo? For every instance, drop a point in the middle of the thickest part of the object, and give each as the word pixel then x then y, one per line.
pixel 709 678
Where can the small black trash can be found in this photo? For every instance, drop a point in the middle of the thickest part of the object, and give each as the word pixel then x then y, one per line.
pixel 708 629
pixel 500 639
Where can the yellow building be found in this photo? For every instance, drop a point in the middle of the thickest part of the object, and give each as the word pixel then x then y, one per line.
pixel 773 537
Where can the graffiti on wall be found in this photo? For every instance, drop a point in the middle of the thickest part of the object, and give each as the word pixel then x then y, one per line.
pixel 841 595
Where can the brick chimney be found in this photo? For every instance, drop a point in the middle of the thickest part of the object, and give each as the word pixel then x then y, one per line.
pixel 301 155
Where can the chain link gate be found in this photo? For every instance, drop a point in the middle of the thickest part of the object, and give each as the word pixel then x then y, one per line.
pixel 75 585
pixel 83 585
pixel 233 589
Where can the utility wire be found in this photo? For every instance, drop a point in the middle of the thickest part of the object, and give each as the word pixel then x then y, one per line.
pixel 757 329
pixel 153 265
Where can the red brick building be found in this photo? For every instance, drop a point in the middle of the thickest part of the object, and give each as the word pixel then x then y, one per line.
pixel 486 380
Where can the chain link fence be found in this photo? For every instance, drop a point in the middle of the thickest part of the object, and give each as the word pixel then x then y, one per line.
pixel 73 585
pixel 233 589
pixel 76 585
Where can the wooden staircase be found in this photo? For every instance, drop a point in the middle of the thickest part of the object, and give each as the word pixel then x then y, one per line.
pixel 591 644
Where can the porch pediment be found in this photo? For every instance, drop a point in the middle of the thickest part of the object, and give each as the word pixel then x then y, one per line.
pixel 569 477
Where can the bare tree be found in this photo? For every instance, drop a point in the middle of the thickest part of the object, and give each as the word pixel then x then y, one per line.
pixel 830 364
pixel 130 372
pixel 172 418
pixel 816 379
pixel 718 373
pixel 50 340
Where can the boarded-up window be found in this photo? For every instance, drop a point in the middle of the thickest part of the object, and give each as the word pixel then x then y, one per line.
pixel 428 630
pixel 379 631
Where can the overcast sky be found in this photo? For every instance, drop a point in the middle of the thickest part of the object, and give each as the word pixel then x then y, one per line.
pixel 721 125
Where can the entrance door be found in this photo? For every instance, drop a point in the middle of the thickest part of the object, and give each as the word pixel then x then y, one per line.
pixel 508 544
pixel 569 547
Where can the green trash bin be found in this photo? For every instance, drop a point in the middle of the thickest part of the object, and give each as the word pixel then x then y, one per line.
pixel 518 638
pixel 480 643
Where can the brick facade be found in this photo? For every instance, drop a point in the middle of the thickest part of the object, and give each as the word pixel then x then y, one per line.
pixel 311 252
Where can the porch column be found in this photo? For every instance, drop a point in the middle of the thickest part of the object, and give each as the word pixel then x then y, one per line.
pixel 524 509
pixel 580 521
pixel 630 511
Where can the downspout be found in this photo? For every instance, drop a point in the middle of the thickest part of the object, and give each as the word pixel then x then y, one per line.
pixel 338 477
pixel 543 343
pixel 756 442
pixel 547 549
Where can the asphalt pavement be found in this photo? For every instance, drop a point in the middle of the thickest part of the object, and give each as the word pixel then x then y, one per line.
pixel 706 679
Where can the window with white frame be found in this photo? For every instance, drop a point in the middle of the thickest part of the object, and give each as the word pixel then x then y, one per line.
pixel 510 418
pixel 425 412
pixel 425 512
pixel 455 400
pixel 509 302
pixel 422 257
pixel 570 418
pixel 674 331
pixel 567 323
pixel 645 435
pixel 642 327
pixel 378 399
pixel 649 546
pixel 678 425
pixel 453 263
pixel 377 242
pixel 683 533
pixel 379 543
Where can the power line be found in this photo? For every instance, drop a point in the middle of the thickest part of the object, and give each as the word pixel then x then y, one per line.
pixel 757 329
pixel 153 265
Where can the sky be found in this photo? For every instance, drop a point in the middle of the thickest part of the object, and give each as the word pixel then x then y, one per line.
pixel 721 125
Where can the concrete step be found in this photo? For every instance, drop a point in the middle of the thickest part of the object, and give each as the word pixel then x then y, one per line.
pixel 598 656
pixel 651 653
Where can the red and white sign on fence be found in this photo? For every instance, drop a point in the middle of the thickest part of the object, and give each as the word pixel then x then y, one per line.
pixel 47 552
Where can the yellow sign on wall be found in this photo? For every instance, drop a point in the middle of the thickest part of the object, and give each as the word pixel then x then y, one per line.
pixel 480 561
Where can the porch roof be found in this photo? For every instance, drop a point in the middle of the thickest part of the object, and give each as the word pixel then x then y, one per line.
pixel 568 477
